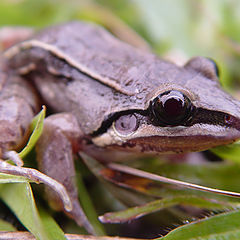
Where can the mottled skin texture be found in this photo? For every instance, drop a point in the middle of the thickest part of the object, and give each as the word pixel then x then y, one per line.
pixel 88 76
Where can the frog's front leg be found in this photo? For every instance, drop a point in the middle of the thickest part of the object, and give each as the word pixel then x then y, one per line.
pixel 18 105
pixel 55 151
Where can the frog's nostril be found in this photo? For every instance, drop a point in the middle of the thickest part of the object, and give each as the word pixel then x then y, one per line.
pixel 228 119
pixel 232 121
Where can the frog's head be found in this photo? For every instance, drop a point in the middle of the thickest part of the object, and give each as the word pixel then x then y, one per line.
pixel 191 113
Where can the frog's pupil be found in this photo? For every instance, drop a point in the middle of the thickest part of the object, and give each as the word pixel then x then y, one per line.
pixel 171 108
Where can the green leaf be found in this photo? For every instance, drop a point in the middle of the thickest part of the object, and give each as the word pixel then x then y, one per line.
pixel 37 127
pixel 229 152
pixel 88 207
pixel 7 178
pixel 5 226
pixel 51 227
pixel 19 198
pixel 223 226
pixel 136 212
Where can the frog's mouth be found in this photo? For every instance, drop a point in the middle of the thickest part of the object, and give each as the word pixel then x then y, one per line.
pixel 157 140
pixel 177 144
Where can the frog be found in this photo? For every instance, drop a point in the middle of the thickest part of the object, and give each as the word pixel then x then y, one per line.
pixel 108 100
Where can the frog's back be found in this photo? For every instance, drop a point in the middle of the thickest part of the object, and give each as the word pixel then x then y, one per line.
pixel 111 75
pixel 97 53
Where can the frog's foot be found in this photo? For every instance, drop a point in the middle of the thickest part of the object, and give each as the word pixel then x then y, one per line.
pixel 55 159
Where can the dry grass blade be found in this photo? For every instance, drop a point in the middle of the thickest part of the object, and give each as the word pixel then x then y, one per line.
pixel 154 177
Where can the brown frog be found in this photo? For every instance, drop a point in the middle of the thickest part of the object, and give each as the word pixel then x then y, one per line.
pixel 109 98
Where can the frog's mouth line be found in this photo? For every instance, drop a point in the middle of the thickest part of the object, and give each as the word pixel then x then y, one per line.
pixel 178 144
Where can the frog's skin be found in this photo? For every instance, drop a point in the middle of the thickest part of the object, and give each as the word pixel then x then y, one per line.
pixel 91 80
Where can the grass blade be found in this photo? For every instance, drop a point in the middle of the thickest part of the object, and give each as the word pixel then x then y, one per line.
pixel 6 226
pixel 139 211
pixel 19 198
pixel 223 226
pixel 37 127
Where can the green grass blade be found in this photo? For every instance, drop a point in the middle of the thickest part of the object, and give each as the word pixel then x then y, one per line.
pixel 138 211
pixel 6 226
pixel 36 127
pixel 7 178
pixel 51 227
pixel 223 226
pixel 88 207
pixel 19 198
pixel 229 152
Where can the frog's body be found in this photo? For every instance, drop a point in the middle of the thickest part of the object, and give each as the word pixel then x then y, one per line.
pixel 112 95
pixel 94 75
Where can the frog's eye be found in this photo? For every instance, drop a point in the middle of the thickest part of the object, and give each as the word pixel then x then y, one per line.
pixel 205 66
pixel 126 124
pixel 171 108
